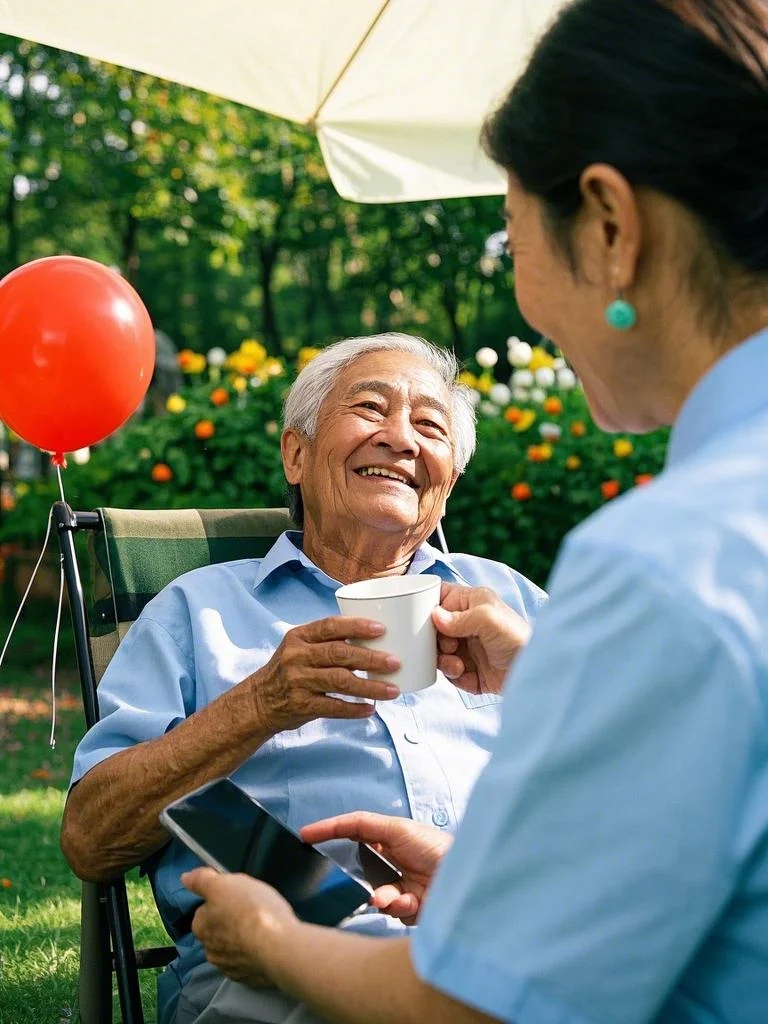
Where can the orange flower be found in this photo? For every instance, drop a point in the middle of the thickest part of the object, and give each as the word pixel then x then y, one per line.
pixel 540 452
pixel 521 492
pixel 204 429
pixel 552 406
pixel 41 773
pixel 6 883
pixel 610 489
pixel 643 478
pixel 513 414
pixel 161 473
pixel 219 396
pixel 573 462
pixel 578 429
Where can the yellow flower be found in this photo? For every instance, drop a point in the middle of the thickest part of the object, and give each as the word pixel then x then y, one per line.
pixel 254 349
pixel 175 403
pixel 539 358
pixel 465 377
pixel 622 448
pixel 573 462
pixel 484 383
pixel 239 384
pixel 192 362
pixel 527 419
pixel 305 356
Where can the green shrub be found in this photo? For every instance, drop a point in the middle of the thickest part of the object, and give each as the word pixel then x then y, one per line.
pixel 218 445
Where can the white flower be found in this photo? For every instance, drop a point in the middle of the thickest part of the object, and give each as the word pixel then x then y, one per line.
pixel 474 396
pixel 216 357
pixel 545 376
pixel 486 357
pixel 489 409
pixel 518 352
pixel 523 379
pixel 500 394
pixel 566 379
pixel 520 394
pixel 550 431
pixel 538 395
pixel 81 456
pixel 558 364
pixel 255 382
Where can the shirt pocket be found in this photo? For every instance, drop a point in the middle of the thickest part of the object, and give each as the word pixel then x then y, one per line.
pixel 479 700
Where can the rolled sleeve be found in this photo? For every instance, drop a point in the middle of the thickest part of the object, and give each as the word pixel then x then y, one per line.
pixel 596 851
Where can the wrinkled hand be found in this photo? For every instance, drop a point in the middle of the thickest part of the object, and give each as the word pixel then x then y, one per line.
pixel 240 921
pixel 478 637
pixel 314 660
pixel 413 848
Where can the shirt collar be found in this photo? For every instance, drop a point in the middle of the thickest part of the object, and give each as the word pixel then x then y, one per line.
pixel 729 393
pixel 287 551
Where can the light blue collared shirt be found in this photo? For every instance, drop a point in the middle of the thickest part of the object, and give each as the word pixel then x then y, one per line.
pixel 612 867
pixel 418 755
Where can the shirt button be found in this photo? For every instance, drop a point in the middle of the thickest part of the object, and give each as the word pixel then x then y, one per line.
pixel 440 817
pixel 411 737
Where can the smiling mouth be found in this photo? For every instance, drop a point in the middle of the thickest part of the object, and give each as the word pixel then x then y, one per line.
pixel 387 474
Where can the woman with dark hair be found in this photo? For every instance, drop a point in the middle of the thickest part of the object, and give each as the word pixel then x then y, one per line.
pixel 612 866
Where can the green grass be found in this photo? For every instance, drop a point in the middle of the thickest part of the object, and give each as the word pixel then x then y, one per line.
pixel 39 896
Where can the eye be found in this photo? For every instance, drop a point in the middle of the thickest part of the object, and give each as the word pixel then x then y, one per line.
pixel 432 425
pixel 369 404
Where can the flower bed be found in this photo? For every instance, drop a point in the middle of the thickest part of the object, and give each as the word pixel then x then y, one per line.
pixel 541 465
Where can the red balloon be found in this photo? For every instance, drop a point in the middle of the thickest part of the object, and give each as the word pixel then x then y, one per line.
pixel 77 351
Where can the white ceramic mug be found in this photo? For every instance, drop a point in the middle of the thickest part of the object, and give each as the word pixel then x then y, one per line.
pixel 403 604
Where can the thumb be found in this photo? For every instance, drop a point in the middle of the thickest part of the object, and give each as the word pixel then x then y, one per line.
pixel 199 880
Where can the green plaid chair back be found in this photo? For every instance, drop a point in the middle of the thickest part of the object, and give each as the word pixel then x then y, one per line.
pixel 139 552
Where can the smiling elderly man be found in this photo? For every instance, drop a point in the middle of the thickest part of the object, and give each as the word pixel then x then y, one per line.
pixel 229 671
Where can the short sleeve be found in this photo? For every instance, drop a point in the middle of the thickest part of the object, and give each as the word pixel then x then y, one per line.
pixel 147 689
pixel 596 849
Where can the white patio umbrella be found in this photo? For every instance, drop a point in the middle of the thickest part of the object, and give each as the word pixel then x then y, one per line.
pixel 395 89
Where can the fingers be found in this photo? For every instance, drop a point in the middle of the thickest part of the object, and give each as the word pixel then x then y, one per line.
pixel 340 627
pixel 451 666
pixel 200 880
pixel 390 900
pixel 365 826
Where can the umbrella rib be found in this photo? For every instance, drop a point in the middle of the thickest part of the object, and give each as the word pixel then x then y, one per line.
pixel 350 60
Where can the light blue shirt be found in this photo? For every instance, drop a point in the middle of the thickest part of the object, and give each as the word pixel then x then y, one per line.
pixel 612 867
pixel 418 755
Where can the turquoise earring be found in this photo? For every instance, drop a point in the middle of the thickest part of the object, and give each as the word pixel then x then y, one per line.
pixel 620 314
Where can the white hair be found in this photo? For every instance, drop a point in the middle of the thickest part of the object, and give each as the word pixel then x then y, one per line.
pixel 313 385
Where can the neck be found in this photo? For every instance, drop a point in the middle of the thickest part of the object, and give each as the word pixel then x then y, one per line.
pixel 352 558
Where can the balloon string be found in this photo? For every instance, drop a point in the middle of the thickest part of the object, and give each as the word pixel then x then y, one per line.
pixel 26 592
pixel 52 739
pixel 57 464
pixel 61 483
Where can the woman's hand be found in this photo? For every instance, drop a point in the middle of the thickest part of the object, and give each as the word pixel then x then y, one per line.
pixel 415 849
pixel 240 923
pixel 478 637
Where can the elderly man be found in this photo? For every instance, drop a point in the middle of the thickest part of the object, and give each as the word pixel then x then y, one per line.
pixel 235 668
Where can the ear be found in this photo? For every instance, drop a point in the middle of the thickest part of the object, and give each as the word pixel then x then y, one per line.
pixel 293 448
pixel 611 226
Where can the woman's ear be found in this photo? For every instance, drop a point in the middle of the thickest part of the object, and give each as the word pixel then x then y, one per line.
pixel 611 226
pixel 293 449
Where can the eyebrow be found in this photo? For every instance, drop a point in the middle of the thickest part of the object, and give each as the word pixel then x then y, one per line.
pixel 383 388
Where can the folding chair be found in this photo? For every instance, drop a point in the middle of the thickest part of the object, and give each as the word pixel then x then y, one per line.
pixel 132 555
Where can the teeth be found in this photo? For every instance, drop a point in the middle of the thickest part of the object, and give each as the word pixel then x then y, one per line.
pixel 376 471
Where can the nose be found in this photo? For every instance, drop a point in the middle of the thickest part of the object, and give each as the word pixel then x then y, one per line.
pixel 396 432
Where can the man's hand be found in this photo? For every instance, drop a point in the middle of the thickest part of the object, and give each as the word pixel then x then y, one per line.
pixel 478 637
pixel 315 660
pixel 238 923
pixel 414 848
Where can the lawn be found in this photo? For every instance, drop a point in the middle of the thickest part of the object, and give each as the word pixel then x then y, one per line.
pixel 39 896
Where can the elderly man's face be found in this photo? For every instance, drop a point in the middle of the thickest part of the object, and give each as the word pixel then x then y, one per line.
pixel 382 457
